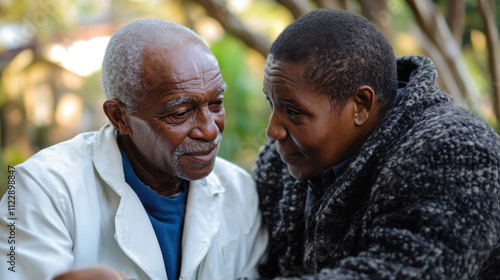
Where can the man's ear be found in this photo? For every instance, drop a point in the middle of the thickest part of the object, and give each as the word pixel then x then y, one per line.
pixel 364 98
pixel 117 115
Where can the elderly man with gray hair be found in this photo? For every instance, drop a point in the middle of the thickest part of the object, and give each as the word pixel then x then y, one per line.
pixel 145 197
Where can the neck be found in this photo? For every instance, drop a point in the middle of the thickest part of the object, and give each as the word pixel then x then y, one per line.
pixel 163 183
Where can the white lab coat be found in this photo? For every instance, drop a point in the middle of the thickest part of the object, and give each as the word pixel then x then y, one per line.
pixel 74 209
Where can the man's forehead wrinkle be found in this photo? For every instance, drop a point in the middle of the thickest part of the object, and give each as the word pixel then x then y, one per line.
pixel 173 87
pixel 195 76
pixel 176 83
pixel 276 71
pixel 211 78
pixel 281 75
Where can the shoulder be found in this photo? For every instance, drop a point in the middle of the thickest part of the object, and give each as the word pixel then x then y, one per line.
pixel 457 128
pixel 239 194
pixel 448 146
pixel 61 158
pixel 236 181
pixel 54 178
pixel 438 142
pixel 231 176
pixel 224 167
pixel 64 169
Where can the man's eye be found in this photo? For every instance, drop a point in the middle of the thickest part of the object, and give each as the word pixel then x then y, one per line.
pixel 217 105
pixel 179 115
pixel 292 112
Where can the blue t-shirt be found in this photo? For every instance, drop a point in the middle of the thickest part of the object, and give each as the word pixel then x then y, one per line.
pixel 166 215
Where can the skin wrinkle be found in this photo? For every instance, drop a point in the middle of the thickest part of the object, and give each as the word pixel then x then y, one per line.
pixel 278 71
pixel 201 74
pixel 271 68
pixel 180 82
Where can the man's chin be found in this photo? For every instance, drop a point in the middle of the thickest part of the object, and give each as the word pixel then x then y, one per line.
pixel 197 171
pixel 298 173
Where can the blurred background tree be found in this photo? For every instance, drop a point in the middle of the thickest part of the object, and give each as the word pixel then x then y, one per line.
pixel 51 52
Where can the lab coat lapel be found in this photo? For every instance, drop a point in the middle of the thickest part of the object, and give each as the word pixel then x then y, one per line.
pixel 201 223
pixel 136 237
pixel 134 233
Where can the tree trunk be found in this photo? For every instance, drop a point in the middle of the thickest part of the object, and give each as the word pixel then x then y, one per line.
pixel 455 19
pixel 377 11
pixel 219 11
pixel 445 78
pixel 434 26
pixel 337 4
pixel 296 7
pixel 487 10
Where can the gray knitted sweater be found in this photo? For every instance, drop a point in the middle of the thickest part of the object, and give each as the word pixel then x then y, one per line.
pixel 420 199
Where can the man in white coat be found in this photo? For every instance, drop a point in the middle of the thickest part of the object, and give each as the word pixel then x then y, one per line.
pixel 145 197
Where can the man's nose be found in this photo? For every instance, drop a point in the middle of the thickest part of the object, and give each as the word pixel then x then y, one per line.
pixel 206 127
pixel 276 129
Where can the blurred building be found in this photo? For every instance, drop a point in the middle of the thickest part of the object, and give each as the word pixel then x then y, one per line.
pixel 49 93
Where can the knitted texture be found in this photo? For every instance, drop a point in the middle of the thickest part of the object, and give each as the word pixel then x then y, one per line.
pixel 419 200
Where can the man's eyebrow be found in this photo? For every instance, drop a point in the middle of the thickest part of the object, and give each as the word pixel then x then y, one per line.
pixel 185 99
pixel 176 102
pixel 222 88
pixel 292 102
pixel 289 101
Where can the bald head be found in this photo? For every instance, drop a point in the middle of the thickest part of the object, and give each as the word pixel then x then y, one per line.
pixel 123 65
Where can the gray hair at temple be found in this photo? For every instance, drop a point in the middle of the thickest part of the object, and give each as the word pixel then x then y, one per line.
pixel 122 66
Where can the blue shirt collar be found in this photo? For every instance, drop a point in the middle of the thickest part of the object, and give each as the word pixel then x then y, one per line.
pixel 145 194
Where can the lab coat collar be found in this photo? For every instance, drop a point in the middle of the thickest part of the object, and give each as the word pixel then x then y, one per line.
pixel 106 154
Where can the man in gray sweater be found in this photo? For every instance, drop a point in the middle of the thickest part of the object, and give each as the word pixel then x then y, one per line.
pixel 371 171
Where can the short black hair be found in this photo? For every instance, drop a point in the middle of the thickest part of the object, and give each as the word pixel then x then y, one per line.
pixel 343 51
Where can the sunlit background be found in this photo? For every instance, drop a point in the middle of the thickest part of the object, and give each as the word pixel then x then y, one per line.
pixel 51 53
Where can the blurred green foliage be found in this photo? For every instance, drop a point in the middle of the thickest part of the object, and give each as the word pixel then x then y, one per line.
pixel 246 108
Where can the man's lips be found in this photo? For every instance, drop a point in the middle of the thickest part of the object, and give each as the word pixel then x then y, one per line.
pixel 204 156
pixel 288 157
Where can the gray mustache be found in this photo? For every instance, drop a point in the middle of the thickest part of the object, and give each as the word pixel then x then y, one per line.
pixel 198 146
